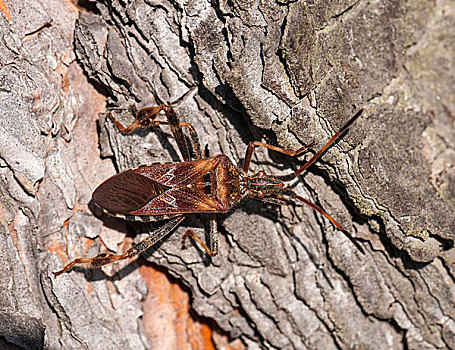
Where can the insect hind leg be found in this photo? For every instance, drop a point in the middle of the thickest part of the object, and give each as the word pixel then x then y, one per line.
pixel 97 261
pixel 108 258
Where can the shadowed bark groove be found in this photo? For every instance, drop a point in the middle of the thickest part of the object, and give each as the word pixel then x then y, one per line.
pixel 281 72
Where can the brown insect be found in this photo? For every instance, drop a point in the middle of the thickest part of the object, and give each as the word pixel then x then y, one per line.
pixel 202 186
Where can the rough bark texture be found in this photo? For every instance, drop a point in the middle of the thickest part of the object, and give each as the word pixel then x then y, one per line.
pixel 287 73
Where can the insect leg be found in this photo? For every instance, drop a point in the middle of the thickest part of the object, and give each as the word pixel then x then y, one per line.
pixel 213 235
pixel 108 258
pixel 332 220
pixel 145 118
pixel 277 199
pixel 252 145
pixel 213 250
pixel 177 131
pixel 322 150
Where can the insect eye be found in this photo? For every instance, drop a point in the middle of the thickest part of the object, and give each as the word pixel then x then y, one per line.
pixel 261 194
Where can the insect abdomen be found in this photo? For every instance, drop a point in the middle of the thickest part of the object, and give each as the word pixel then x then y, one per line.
pixel 141 218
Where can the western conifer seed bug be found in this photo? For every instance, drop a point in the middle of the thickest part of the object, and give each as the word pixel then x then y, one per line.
pixel 201 186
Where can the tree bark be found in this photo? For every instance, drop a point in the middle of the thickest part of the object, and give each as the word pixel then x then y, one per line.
pixel 286 73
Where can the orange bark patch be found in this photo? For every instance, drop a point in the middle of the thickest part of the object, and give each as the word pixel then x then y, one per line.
pixel 58 248
pixel 5 10
pixel 13 232
pixel 166 320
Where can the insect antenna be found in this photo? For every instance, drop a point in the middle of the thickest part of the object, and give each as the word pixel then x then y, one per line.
pixel 322 150
pixel 292 194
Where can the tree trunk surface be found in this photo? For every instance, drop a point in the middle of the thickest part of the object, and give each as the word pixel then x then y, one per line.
pixel 287 73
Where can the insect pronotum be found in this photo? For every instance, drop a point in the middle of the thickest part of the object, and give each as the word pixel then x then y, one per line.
pixel 201 186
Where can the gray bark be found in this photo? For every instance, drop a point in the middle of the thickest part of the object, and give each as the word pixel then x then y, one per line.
pixel 286 73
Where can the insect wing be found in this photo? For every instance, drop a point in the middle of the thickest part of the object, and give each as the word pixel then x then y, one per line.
pixel 186 193
pixel 127 192
pixel 181 201
pixel 178 174
pixel 161 189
